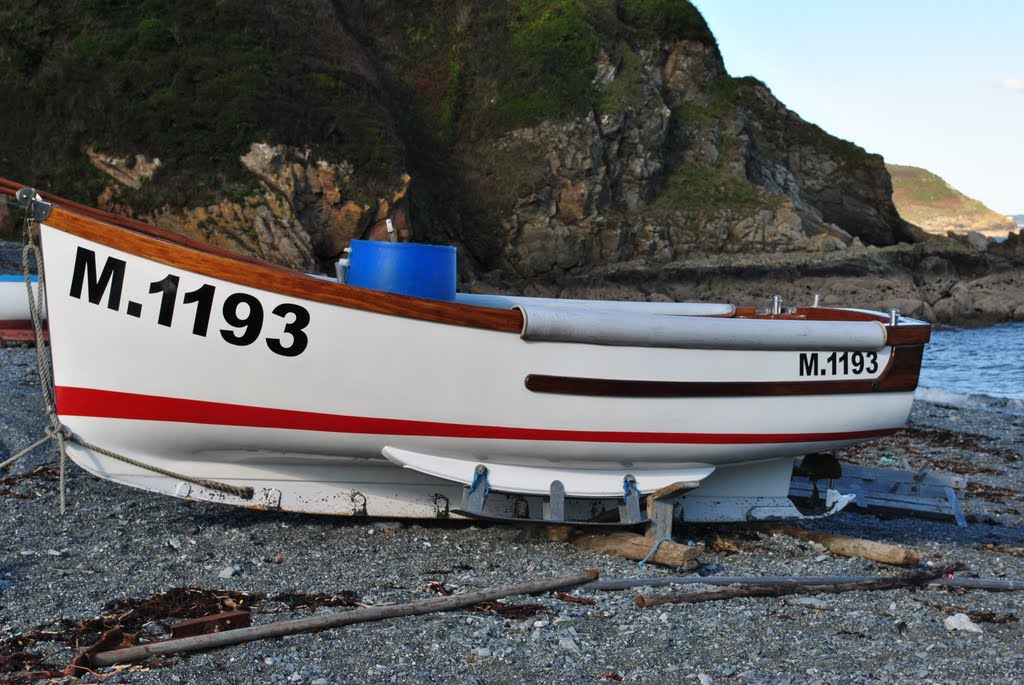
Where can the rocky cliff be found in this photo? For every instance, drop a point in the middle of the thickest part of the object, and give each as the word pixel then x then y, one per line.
pixel 565 147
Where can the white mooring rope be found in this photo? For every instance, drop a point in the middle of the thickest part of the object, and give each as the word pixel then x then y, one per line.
pixel 57 431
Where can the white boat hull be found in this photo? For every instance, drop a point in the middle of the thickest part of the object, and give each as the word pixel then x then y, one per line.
pixel 300 402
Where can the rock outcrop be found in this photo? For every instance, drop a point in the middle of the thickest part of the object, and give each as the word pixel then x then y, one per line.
pixel 672 160
pixel 678 171
pixel 304 216
pixel 939 281
pixel 652 174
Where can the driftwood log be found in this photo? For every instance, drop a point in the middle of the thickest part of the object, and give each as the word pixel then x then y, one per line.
pixel 792 586
pixel 846 546
pixel 614 584
pixel 316 623
pixel 638 547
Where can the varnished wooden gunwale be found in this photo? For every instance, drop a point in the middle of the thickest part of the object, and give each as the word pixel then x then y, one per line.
pixel 279 280
pixel 917 333
pixel 158 244
pixel 900 375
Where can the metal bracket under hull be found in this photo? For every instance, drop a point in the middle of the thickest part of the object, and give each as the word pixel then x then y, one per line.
pixel 474 500
pixel 378 489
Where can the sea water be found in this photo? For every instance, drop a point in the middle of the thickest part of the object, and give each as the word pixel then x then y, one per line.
pixel 980 367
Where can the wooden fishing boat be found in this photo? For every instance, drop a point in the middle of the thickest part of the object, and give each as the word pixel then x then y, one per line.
pixel 308 394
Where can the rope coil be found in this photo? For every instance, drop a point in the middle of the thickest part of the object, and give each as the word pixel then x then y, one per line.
pixel 57 431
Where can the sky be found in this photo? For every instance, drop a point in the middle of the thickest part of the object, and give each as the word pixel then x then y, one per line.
pixel 937 84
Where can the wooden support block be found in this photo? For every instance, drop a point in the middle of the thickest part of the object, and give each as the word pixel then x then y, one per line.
pixel 661 508
pixel 559 533
pixel 677 488
pixel 637 547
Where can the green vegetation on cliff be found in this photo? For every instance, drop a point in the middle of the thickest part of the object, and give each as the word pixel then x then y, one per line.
pixel 195 83
pixel 496 65
pixel 920 189
pixel 191 82
pixel 514 119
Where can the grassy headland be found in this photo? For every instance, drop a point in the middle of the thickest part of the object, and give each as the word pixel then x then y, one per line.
pixel 925 199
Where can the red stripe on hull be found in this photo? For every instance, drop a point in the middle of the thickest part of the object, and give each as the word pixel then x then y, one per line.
pixel 121 405
pixel 18 330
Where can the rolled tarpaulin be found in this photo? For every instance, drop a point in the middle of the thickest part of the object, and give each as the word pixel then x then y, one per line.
pixel 14 297
pixel 551 324
pixel 667 308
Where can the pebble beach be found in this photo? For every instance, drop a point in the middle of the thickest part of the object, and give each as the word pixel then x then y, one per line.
pixel 120 556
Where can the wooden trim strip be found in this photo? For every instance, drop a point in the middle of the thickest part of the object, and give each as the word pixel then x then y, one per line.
pixel 917 333
pixel 900 375
pixel 913 334
pixel 265 276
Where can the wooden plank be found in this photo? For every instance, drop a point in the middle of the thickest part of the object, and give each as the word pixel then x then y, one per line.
pixel 936 479
pixel 204 625
pixel 924 492
pixel 881 491
pixel 792 587
pixel 94 658
pixel 672 490
pixel 900 375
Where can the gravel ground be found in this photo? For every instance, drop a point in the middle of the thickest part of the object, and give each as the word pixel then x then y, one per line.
pixel 119 553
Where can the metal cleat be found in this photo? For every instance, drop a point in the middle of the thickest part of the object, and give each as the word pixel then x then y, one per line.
pixel 629 513
pixel 475 495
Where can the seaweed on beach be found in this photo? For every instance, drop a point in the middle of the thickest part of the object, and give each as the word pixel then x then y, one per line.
pixel 931 448
pixel 137 619
pixel 992 493
pixel 8 484
pixel 132 621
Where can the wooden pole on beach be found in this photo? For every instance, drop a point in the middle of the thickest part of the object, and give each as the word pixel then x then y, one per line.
pixel 792 587
pixel 200 643
pixel 846 546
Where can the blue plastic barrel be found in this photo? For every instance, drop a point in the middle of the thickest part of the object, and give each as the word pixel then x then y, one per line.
pixel 405 268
